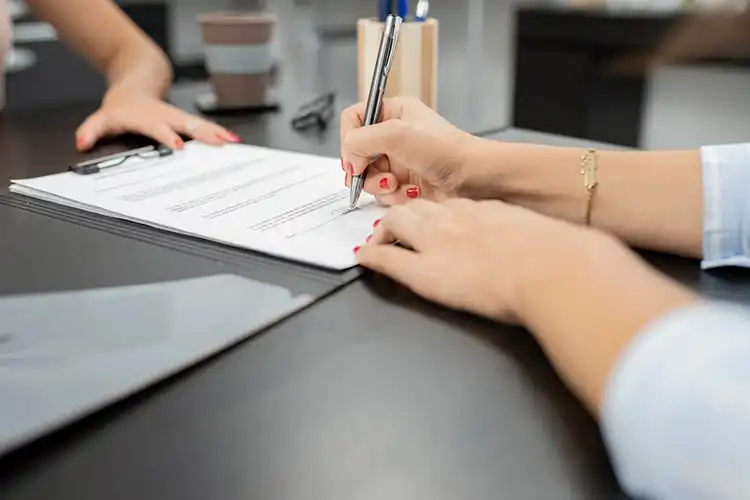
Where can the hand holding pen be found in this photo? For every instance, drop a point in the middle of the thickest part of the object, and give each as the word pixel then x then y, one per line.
pixel 418 154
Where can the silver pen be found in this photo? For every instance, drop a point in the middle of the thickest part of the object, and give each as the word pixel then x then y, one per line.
pixel 388 43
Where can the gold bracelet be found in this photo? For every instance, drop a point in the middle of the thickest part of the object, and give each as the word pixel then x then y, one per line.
pixel 588 171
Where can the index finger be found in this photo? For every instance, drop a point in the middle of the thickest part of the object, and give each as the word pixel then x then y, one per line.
pixel 404 224
pixel 353 117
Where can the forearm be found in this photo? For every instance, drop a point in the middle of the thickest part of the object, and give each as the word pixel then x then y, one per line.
pixel 584 305
pixel 652 200
pixel 103 34
pixel 141 69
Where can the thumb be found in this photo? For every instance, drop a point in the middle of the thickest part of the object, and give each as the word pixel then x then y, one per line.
pixel 362 145
pixel 90 131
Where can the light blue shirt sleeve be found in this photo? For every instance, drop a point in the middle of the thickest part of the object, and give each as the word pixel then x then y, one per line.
pixel 676 412
pixel 726 205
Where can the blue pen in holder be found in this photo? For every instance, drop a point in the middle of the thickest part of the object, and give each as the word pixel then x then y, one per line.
pixel 398 8
pixel 385 7
pixel 415 65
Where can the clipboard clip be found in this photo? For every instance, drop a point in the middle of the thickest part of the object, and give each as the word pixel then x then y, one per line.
pixel 98 164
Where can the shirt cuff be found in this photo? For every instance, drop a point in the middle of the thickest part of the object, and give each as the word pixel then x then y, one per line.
pixel 726 205
pixel 676 384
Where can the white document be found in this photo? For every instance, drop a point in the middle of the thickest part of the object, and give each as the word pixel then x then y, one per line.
pixel 286 204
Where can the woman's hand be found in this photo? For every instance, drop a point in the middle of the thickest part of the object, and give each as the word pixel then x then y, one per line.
pixel 482 257
pixel 416 152
pixel 582 293
pixel 127 111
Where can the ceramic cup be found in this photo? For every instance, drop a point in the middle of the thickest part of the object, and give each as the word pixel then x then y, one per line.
pixel 238 56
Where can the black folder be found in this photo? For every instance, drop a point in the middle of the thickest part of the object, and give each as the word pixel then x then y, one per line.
pixel 47 247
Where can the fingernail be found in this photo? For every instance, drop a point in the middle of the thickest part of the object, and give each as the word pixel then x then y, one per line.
pixel 233 137
pixel 383 183
pixel 356 249
pixel 178 144
pixel 368 239
pixel 351 169
pixel 412 192
pixel 342 165
pixel 81 142
pixel 375 224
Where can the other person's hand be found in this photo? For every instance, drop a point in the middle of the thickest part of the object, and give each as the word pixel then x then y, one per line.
pixel 412 152
pixel 125 111
pixel 479 256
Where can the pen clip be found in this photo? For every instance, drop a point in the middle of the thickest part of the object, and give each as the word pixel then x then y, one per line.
pixel 391 46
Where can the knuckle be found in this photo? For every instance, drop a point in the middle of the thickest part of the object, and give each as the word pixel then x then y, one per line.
pixel 348 140
pixel 400 133
pixel 407 100
pixel 395 213
pixel 395 125
pixel 104 115
pixel 422 205
pixel 385 199
pixel 350 110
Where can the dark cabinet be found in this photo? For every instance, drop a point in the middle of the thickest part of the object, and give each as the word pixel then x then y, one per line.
pixel 564 81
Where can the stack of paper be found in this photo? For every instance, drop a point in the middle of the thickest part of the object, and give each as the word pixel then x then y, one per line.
pixel 281 203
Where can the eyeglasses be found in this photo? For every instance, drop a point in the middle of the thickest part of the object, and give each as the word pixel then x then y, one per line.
pixel 113 160
pixel 316 114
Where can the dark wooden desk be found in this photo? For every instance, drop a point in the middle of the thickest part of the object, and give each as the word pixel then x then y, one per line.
pixel 371 393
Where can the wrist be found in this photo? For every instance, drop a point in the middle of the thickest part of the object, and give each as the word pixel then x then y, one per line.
pixel 586 304
pixel 152 77
pixel 593 274
pixel 124 90
pixel 481 173
pixel 554 270
pixel 545 179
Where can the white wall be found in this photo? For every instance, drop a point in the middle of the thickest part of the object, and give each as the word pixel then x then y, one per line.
pixel 687 107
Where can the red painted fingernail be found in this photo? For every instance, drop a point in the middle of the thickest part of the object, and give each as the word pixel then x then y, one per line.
pixel 356 249
pixel 80 142
pixel 351 169
pixel 383 183
pixel 368 239
pixel 178 143
pixel 375 224
pixel 412 192
pixel 234 137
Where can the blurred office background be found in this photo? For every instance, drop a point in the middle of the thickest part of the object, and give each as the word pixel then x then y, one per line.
pixel 541 65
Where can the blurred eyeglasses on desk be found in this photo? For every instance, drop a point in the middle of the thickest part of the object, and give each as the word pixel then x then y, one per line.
pixel 316 115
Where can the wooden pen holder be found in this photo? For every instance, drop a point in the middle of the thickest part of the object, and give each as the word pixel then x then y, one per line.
pixel 414 70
